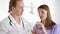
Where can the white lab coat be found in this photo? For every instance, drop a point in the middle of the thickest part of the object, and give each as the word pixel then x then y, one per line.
pixel 6 28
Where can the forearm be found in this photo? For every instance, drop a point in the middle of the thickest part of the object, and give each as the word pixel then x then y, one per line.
pixel 44 31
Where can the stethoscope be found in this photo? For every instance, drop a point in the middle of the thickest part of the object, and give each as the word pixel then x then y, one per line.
pixel 10 22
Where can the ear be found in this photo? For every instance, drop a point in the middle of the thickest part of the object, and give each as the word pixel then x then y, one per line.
pixel 12 7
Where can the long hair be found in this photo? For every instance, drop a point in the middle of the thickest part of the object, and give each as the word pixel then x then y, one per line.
pixel 49 23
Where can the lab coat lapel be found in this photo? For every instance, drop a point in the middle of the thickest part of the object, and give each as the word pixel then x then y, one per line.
pixel 13 22
pixel 15 25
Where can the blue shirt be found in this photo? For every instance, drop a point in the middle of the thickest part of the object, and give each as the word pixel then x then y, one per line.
pixel 55 30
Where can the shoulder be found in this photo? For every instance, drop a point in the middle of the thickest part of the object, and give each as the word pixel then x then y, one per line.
pixel 25 20
pixel 57 26
pixel 4 21
pixel 4 24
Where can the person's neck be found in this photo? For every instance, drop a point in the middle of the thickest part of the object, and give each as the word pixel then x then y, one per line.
pixel 16 18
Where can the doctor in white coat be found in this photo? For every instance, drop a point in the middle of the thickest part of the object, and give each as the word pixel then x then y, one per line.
pixel 14 23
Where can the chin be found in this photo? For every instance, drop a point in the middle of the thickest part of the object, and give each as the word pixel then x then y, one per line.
pixel 20 14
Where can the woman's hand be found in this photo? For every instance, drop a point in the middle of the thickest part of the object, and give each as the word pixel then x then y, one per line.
pixel 41 27
pixel 34 32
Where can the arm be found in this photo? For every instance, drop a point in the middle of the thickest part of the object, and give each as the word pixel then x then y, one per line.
pixel 44 31
pixel 41 27
pixel 3 29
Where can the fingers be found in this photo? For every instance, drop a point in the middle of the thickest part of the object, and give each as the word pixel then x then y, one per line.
pixel 39 23
pixel 34 32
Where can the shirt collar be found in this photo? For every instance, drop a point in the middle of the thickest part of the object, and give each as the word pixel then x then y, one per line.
pixel 13 20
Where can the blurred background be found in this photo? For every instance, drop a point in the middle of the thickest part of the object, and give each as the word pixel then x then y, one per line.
pixel 30 9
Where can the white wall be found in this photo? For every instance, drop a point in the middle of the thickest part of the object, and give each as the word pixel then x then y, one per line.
pixel 3 9
pixel 53 4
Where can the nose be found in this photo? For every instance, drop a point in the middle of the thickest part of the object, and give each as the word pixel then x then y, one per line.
pixel 41 15
pixel 22 9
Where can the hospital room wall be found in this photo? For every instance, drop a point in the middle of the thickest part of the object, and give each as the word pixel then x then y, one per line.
pixel 53 4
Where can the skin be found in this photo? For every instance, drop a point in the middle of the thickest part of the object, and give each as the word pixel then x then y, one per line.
pixel 17 11
pixel 43 16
